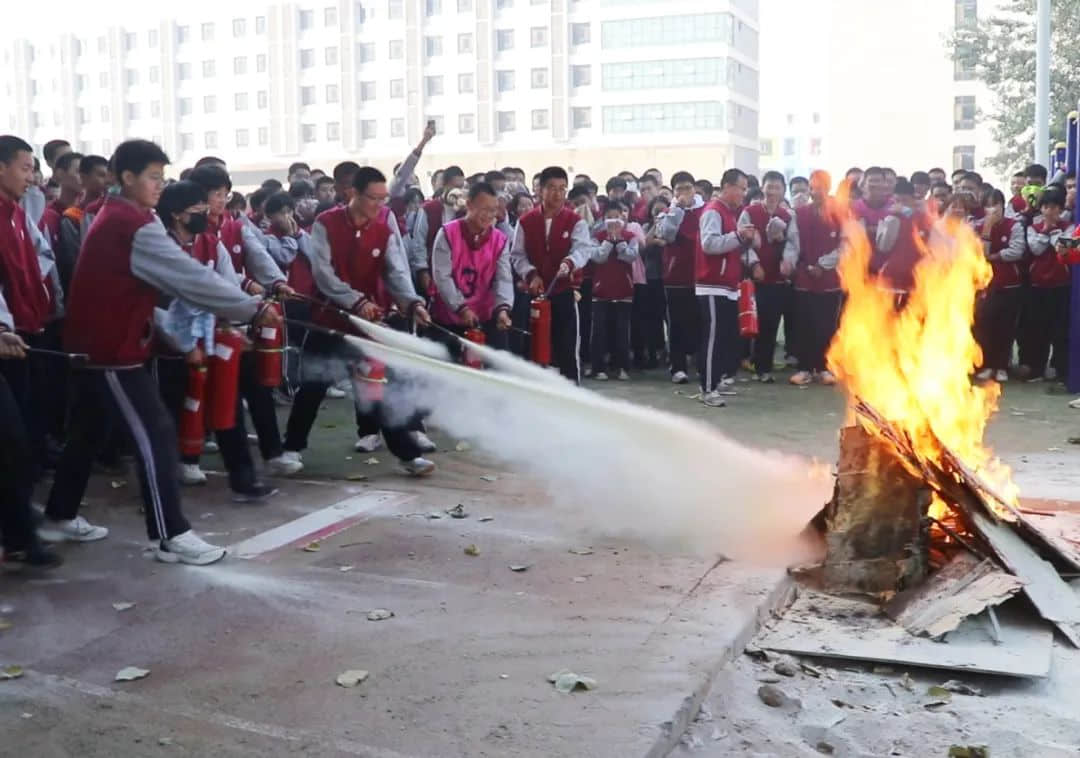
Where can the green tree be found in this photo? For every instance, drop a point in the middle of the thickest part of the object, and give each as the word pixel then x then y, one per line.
pixel 999 50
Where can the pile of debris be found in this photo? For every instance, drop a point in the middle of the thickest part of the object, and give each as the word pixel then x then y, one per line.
pixel 955 573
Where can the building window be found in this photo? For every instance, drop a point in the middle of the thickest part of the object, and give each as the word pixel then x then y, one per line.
pixel 668 30
pixel 505 121
pixel 963 157
pixel 183 34
pixel 261 99
pixel 239 65
pixel 155 74
pixel 432 46
pixel 331 93
pixel 967 14
pixel 307 58
pixel 209 104
pixel 432 7
pixel 242 137
pixel 264 135
pixel 581 118
pixel 504 39
pixel 183 72
pixel 368 129
pixel 151 38
pixel 183 107
pixel 81 116
pixel 503 5
pixel 816 117
pixel 260 28
pixel 307 21
pixel 504 81
pixel 663 117
pixel 307 133
pixel 394 9
pixel 155 108
pixel 539 78
pixel 331 56
pixel 538 36
pixel 207 32
pixel 187 142
pixel 815 146
pixel 132 111
pixel 367 90
pixel 239 29
pixel 208 69
pixel 789 146
pixel 464 43
pixel 464 83
pixel 540 119
pixel 579 34
pixel 132 77
pixel 397 127
pixel 103 80
pixel 210 139
pixel 367 52
pixel 330 19
pixel 433 85
pixel 397 88
pixel 464 5
pixel 964 64
pixel 662 74
pixel 307 96
pixel 240 101
pixel 580 76
pixel 260 63
pixel 333 131
pixel 397 49
pixel 766 147
pixel 129 41
pixel 466 123
pixel 964 112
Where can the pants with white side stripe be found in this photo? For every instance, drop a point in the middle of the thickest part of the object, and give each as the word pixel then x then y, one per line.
pixel 132 397
pixel 719 348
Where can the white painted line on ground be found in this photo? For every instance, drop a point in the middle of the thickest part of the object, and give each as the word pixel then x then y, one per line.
pixel 319 524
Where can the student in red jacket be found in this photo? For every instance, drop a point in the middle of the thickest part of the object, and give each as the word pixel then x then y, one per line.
pixel 678 229
pixel 127 261
pixel 94 179
pixel 998 307
pixel 1050 286
pixel 901 241
pixel 613 293
pixel 725 250
pixel 550 243
pixel 66 175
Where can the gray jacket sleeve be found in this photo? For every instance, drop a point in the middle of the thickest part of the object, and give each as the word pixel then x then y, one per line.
pixel 582 244
pixel 49 270
pixel 69 249
pixel 398 274
pixel 417 253
pixel 400 183
pixel 159 261
pixel 1017 247
pixel 281 253
pixel 668 226
pixel 519 258
pixel 791 243
pixel 888 232
pixel 1039 242
pixel 260 266
pixel 442 272
pixel 225 268
pixel 714 240
pixel 627 252
pixel 33 202
pixel 322 271
pixel 6 319
pixel 504 278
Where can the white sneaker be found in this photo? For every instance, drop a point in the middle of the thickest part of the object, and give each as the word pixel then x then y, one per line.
pixel 623 376
pixel 727 381
pixel 600 376
pixel 191 474
pixel 827 377
pixel 335 393
pixel 713 399
pixel 188 548
pixel 423 442
pixel 791 361
pixel 679 377
pixel 801 379
pixel 764 378
pixel 1001 376
pixel 76 530
pixel 210 446
pixel 985 374
pixel 286 464
pixel 419 467
pixel 369 443
pixel 1075 404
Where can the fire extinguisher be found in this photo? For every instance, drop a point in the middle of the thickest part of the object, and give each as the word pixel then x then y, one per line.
pixel 193 414
pixel 540 329
pixel 470 357
pixel 369 379
pixel 269 349
pixel 223 382
pixel 748 318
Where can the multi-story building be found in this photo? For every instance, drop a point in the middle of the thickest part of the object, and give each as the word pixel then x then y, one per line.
pixel 595 85
pixel 853 83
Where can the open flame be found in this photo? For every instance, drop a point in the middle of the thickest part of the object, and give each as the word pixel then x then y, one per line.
pixel 914 364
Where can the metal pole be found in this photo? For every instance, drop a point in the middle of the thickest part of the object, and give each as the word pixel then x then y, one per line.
pixel 1042 81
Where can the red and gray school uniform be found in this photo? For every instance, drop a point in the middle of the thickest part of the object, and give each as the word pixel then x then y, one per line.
pixel 901 243
pixel 431 217
pixel 1051 285
pixel 775 297
pixel 871 217
pixel 721 258
pixel 127 261
pixel 540 246
pixel 998 307
pixel 679 229
pixel 613 297
pixel 817 299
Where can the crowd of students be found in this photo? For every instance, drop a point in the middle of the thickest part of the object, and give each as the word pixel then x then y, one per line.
pixel 144 278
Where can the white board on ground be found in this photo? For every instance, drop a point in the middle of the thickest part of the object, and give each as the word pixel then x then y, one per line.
pixel 830 627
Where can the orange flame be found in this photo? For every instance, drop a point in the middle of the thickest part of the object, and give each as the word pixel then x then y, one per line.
pixel 914 365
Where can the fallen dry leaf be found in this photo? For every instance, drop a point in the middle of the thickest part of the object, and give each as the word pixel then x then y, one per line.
pixel 345 568
pixel 356 478
pixel 485 519
pixel 11 672
pixel 463 447
pixel 472 550
pixel 580 579
pixel 519 567
pixel 379 614
pixel 131 673
pixel 567 681
pixel 458 511
pixel 352 677
pixel 580 551
pixel 118 483
pixel 489 478
pixel 312 547
pixel 372 461
pixel 124 606
pixel 5 625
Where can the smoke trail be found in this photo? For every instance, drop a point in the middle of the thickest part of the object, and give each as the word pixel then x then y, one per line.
pixel 616 468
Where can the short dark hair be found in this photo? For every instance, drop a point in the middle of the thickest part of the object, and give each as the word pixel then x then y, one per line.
pixel 681 177
pixel 90 162
pixel 258 197
pixel 323 180
pixel 63 163
pixel 904 187
pixel 773 176
pixel 51 147
pixel 732 176
pixel 705 186
pixel 10 144
pixel 972 176
pixel 212 177
pixel 886 170
pixel 939 185
pixel 995 197
pixel 799 180
pixel 591 186
pixel 494 176
pixel 576 192
pixel 1036 170
pixel 936 170
pixel 301 188
pixel 480 188
pixel 278 202
pixel 209 160
pixel 615 205
pixel 874 171
pixel 1019 175
pixel 452 171
pixel 854 170
pixel 413 193
pixel 273 185
pixel 553 172
pixel 752 194
pixel 1053 195
pixel 296 165
pixel 920 177
pixel 344 170
pixel 366 175
pixel 135 155
pixel 647 177
pixel 186 173
pixel 236 201
pixel 178 196
pixel 628 175
pixel 615 183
